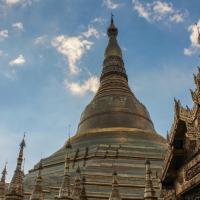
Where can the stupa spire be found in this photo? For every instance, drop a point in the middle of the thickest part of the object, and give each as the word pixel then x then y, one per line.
pixel 114 104
pixel 149 193
pixel 15 190
pixel 115 194
pixel 4 172
pixel 65 189
pixel 3 183
pixel 83 195
pixel 37 193
pixel 113 61
pixel 76 194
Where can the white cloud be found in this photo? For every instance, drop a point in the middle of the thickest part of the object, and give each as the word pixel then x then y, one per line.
pixel 162 7
pixel 142 11
pixel 189 51
pixel 194 43
pixel 89 85
pixel 91 32
pixel 41 40
pixel 72 48
pixel 17 2
pixel 111 5
pixel 18 26
pixel 3 34
pixel 177 18
pixel 159 11
pixel 99 20
pixel 20 60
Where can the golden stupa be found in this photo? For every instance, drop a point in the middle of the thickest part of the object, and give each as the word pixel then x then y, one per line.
pixel 115 133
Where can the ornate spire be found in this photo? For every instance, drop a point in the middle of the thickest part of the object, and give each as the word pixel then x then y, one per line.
pixel 76 194
pixel 37 193
pixel 3 183
pixel 115 194
pixel 114 90
pixel 113 62
pixel 149 193
pixel 15 190
pixel 4 172
pixel 83 195
pixel 65 190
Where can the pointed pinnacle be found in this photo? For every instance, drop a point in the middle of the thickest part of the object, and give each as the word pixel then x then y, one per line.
pixel 147 162
pixel 23 144
pixel 111 20
pixel 78 171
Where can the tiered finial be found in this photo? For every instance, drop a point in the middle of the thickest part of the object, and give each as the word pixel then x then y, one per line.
pixel 115 194
pixel 83 195
pixel 3 183
pixel 113 62
pixel 15 190
pixel 37 193
pixel 112 30
pixel 196 94
pixel 4 172
pixel 149 193
pixel 76 194
pixel 65 189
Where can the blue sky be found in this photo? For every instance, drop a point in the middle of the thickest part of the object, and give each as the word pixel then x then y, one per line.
pixel 51 54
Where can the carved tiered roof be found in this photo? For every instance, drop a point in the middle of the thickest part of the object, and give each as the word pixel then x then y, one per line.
pixel 183 141
pixel 187 115
pixel 15 189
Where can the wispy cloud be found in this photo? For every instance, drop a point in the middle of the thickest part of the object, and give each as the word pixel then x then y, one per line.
pixel 99 20
pixel 17 2
pixel 18 26
pixel 20 60
pixel 72 48
pixel 194 44
pixel 41 40
pixel 3 34
pixel 159 11
pixel 92 32
pixel 89 85
pixel 110 4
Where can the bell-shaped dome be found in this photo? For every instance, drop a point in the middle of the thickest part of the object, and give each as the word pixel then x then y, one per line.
pixel 114 105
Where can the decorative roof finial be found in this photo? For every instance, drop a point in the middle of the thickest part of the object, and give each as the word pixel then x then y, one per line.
pixel 65 189
pixel 3 183
pixel 4 172
pixel 37 193
pixel 76 194
pixel 83 195
pixel 68 145
pixel 112 30
pixel 15 189
pixel 115 194
pixel 111 20
pixel 149 193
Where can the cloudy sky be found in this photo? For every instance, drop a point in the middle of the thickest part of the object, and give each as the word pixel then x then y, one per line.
pixel 51 55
